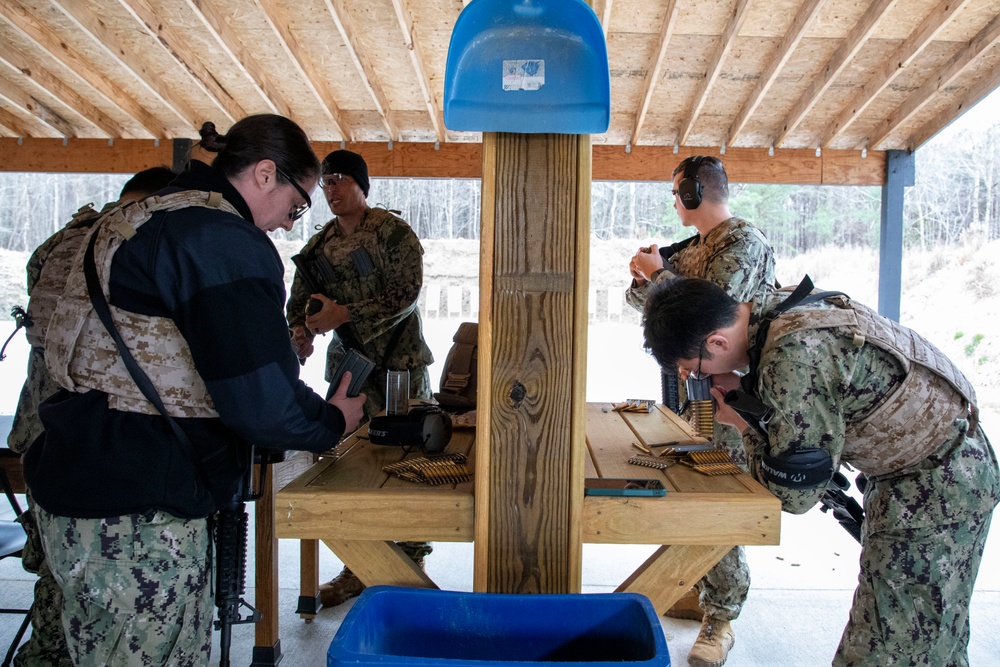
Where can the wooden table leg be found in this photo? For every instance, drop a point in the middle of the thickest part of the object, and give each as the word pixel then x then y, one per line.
pixel 267 644
pixel 671 571
pixel 380 563
pixel 308 580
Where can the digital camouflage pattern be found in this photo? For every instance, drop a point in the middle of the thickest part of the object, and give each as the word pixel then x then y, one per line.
pixel 137 588
pixel 736 256
pixel 925 523
pixel 378 301
pixel 79 351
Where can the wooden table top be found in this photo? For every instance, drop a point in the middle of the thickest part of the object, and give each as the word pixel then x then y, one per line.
pixel 347 495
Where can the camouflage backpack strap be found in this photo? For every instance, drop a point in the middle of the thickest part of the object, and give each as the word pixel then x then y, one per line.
pixel 459 377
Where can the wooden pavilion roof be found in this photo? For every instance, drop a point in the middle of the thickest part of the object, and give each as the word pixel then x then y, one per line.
pixel 839 76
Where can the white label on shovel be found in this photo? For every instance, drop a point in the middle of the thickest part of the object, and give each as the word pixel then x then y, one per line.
pixel 523 74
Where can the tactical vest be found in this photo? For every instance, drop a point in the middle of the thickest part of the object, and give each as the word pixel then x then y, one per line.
pixel 79 351
pixel 913 421
pixel 52 278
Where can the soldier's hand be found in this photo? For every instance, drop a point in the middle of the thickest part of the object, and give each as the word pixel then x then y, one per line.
pixel 302 342
pixel 331 316
pixel 353 409
pixel 645 263
pixel 725 414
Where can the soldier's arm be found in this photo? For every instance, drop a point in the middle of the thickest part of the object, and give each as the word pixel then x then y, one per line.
pixel 742 266
pixel 402 265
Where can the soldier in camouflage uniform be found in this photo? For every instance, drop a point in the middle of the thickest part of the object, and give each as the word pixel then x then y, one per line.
pixel 369 265
pixel 47 643
pixel 123 496
pixel 834 382
pixel 735 255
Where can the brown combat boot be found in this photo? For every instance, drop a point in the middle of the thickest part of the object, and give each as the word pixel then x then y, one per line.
pixel 715 639
pixel 340 589
pixel 687 607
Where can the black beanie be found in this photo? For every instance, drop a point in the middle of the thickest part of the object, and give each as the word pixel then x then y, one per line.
pixel 346 162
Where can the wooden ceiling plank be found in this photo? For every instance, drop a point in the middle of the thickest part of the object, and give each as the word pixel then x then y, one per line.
pixel 803 19
pixel 349 31
pixel 31 106
pixel 16 124
pixel 313 78
pixel 666 33
pixel 239 55
pixel 91 25
pixel 974 95
pixel 52 85
pixel 175 45
pixel 923 35
pixel 405 18
pixel 841 58
pixel 44 39
pixel 958 63
pixel 714 68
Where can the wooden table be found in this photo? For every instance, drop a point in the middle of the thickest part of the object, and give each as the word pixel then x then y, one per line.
pixel 359 512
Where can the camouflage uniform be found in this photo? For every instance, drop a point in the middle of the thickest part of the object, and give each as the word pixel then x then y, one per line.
pixel 933 481
pixel 47 643
pixel 380 298
pixel 736 256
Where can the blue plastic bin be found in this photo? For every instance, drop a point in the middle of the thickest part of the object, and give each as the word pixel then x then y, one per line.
pixel 389 625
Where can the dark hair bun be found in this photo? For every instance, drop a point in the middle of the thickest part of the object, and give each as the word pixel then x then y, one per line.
pixel 211 140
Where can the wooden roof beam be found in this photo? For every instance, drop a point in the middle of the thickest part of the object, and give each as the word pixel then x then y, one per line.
pixel 348 31
pixel 714 68
pixel 603 10
pixel 405 18
pixel 314 79
pixel 842 56
pixel 46 81
pixel 239 55
pixel 44 39
pixel 963 58
pixel 26 127
pixel 986 85
pixel 803 19
pixel 666 34
pixel 35 108
pixel 91 25
pixel 176 46
pixel 924 34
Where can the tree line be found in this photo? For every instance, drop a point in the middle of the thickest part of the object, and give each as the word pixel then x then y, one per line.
pixel 957 191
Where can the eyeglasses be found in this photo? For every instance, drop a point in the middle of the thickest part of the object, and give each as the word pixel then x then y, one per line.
pixel 301 209
pixel 698 375
pixel 330 180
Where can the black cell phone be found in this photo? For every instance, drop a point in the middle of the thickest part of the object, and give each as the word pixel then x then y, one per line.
pixel 593 486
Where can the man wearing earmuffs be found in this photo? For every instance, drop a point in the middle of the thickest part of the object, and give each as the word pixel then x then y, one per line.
pixel 735 255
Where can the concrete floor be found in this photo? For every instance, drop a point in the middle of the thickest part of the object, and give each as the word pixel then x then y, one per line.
pixel 798 604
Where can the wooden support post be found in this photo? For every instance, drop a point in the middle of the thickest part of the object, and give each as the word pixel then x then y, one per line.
pixel 532 362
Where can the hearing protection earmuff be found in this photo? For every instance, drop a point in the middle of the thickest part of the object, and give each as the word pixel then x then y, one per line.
pixel 689 188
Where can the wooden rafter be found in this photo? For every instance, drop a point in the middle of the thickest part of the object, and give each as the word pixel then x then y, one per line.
pixel 66 55
pixel 405 18
pixel 32 106
pixel 314 79
pixel 714 68
pixel 17 125
pixel 666 32
pixel 803 19
pixel 603 10
pixel 923 35
pixel 45 80
pixel 963 58
pixel 91 25
pixel 985 86
pixel 239 55
pixel 176 46
pixel 349 32
pixel 840 59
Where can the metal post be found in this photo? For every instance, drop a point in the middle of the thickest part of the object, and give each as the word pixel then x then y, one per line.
pixel 899 174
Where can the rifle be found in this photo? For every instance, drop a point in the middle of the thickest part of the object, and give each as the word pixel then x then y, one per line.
pixel 21 319
pixel 231 557
pixel 845 509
